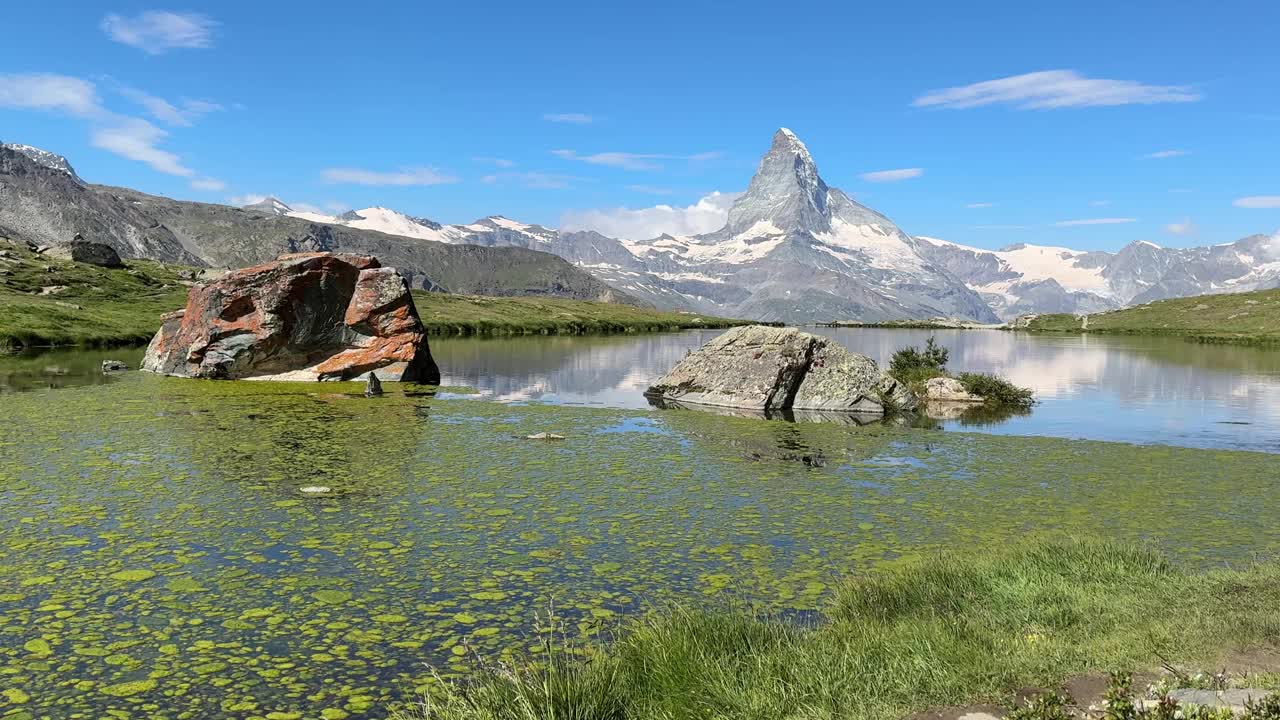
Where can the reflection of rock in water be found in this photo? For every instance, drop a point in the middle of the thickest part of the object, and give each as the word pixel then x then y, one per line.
pixel 803 416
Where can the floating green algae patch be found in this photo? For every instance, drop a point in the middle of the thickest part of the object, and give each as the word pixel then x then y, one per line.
pixel 164 562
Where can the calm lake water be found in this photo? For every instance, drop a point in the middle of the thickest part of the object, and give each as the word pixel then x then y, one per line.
pixel 165 552
pixel 1127 389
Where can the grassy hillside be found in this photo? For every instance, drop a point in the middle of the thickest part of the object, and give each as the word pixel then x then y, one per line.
pixel 472 315
pixel 97 306
pixel 1245 317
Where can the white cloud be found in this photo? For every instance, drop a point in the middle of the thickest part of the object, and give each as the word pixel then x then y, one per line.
pixel 892 175
pixel 1051 89
pixel 1096 221
pixel 1274 247
pixel 158 31
pixel 184 114
pixel 979 206
pixel 1160 155
pixel 631 161
pixel 534 180
pixel 1186 227
pixel 248 199
pixel 409 176
pixel 49 92
pixel 572 118
pixel 137 140
pixel 212 184
pixel 707 215
pixel 1258 202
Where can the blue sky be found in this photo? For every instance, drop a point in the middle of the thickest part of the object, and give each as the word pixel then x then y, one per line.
pixel 1159 117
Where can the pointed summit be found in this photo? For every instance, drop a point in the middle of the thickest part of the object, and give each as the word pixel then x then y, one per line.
pixel 786 192
pixel 270 206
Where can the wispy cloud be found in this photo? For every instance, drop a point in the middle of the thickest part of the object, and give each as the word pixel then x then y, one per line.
pixel 50 92
pixel 1186 227
pixel 892 175
pixel 1052 89
pixel 138 140
pixel 496 162
pixel 650 190
pixel 184 114
pixel 1096 221
pixel 532 180
pixel 708 214
pixel 408 176
pixel 1258 202
pixel 571 118
pixel 631 161
pixel 158 31
pixel 979 206
pixel 208 184
pixel 1161 154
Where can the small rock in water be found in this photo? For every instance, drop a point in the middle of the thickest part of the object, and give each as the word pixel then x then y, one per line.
pixel 372 386
pixel 544 436
pixel 114 366
pixel 316 489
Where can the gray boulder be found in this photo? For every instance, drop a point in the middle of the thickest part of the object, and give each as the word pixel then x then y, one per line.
pixel 772 369
pixel 948 390
pixel 86 252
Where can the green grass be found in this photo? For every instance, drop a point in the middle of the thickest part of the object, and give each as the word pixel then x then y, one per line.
pixel 947 630
pixel 1236 318
pixel 99 306
pixel 107 307
pixel 444 314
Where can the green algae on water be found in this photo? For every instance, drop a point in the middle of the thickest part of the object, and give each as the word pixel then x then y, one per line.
pixel 162 562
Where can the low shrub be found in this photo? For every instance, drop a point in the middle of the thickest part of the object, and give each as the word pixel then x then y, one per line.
pixel 912 365
pixel 996 390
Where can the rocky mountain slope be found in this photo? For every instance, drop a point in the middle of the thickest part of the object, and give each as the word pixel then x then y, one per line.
pixel 1025 279
pixel 44 204
pixel 793 250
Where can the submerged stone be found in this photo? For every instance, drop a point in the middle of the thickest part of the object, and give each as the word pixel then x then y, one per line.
pixel 308 316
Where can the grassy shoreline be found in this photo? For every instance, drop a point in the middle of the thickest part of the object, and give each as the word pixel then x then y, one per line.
pixel 88 306
pixel 1239 319
pixel 945 631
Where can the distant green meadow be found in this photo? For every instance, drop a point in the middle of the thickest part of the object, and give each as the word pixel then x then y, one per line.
pixel 163 559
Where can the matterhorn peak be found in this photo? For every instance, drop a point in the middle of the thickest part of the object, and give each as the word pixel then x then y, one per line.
pixel 786 192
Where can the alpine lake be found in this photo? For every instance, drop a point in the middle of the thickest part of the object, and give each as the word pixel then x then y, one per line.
pixel 186 549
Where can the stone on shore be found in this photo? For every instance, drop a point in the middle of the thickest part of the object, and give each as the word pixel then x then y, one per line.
pixel 770 369
pixel 306 316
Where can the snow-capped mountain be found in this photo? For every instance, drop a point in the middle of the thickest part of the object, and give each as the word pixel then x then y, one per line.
pixel 1024 279
pixel 44 158
pixel 796 250
pixel 793 249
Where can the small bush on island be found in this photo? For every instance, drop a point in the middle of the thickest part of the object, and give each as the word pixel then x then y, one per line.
pixel 944 630
pixel 911 365
pixel 915 367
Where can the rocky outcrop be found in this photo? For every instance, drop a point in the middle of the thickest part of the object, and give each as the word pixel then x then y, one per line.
pixel 769 369
pixel 307 316
pixel 86 252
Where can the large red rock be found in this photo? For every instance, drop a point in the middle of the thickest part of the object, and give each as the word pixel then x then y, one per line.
pixel 307 316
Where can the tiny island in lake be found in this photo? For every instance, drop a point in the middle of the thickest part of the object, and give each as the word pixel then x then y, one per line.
pixel 664 452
